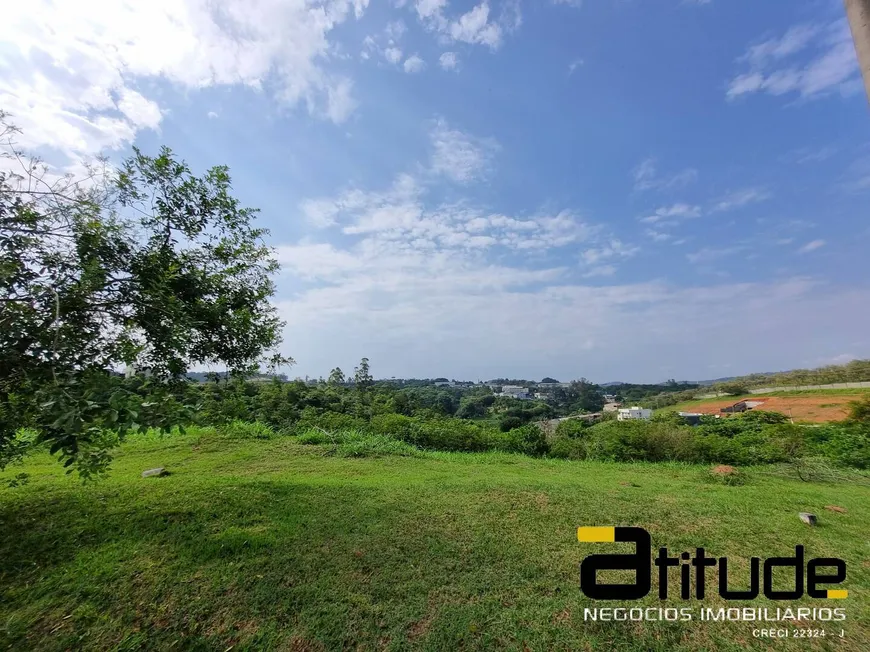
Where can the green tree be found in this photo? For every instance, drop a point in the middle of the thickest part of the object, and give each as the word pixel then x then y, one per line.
pixel 361 377
pixel 733 389
pixel 148 267
pixel 336 376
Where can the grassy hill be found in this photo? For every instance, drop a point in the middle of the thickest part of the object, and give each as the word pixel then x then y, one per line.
pixel 271 545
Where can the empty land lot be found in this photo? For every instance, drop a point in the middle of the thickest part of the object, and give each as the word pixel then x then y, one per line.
pixel 812 407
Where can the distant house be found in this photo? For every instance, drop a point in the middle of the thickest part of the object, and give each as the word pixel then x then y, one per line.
pixel 633 413
pixel 515 391
pixel 610 398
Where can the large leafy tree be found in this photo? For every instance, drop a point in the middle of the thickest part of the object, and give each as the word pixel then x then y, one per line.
pixel 147 268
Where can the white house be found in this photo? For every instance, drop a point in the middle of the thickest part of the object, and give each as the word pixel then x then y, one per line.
pixel 627 414
pixel 515 391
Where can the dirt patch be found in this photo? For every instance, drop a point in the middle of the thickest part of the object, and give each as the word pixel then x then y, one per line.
pixel 814 409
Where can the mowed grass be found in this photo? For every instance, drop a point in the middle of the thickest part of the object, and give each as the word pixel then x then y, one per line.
pixel 271 545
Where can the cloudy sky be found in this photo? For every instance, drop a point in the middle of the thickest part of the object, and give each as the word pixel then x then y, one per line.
pixel 617 189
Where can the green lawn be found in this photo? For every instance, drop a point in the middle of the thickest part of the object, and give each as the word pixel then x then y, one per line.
pixel 270 545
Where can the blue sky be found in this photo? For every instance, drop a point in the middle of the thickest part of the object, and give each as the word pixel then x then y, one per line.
pixel 617 189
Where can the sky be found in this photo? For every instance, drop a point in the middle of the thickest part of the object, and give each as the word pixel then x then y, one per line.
pixel 628 190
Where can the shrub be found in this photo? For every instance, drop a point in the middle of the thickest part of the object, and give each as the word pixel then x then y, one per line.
pixel 572 428
pixel 528 439
pixel 627 441
pixel 568 449
pixel 845 446
pixel 859 411
pixel 398 426
pixel 509 423
pixel 246 430
pixel 329 421
pixel 357 443
pixel 452 435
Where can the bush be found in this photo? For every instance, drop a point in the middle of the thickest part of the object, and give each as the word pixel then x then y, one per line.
pixel 434 434
pixel 452 435
pixel 398 426
pixel 247 430
pixel 859 411
pixel 528 439
pixel 357 443
pixel 566 448
pixel 509 423
pixel 843 445
pixel 627 441
pixel 329 421
pixel 572 429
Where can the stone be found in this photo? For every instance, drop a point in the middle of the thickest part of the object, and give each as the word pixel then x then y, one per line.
pixel 155 473
pixel 809 519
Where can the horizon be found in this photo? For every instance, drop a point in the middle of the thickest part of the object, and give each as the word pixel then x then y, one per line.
pixel 668 189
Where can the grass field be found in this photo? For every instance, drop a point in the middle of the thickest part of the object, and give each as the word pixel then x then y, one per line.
pixel 271 545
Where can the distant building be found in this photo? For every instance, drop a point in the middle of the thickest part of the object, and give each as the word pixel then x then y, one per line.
pixel 691 418
pixel 633 413
pixel 515 391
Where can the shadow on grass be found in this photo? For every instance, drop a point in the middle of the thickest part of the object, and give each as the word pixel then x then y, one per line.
pixel 260 565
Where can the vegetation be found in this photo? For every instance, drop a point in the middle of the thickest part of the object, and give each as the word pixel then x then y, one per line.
pixel 150 266
pixel 857 371
pixel 264 543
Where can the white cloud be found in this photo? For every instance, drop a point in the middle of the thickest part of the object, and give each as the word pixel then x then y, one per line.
pixel 460 156
pixel 414 64
pixel 602 270
pixel 646 177
pixel 811 246
pixel 393 55
pixel 657 236
pixel 141 112
pixel 613 249
pixel 676 211
pixel 740 198
pixel 430 9
pixel 808 60
pixel 448 61
pixel 395 30
pixel 711 254
pixel 473 27
pixel 212 115
pixel 574 65
pixel 406 308
pixel 75 71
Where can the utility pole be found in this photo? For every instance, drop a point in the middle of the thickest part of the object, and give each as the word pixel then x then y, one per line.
pixel 859 20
